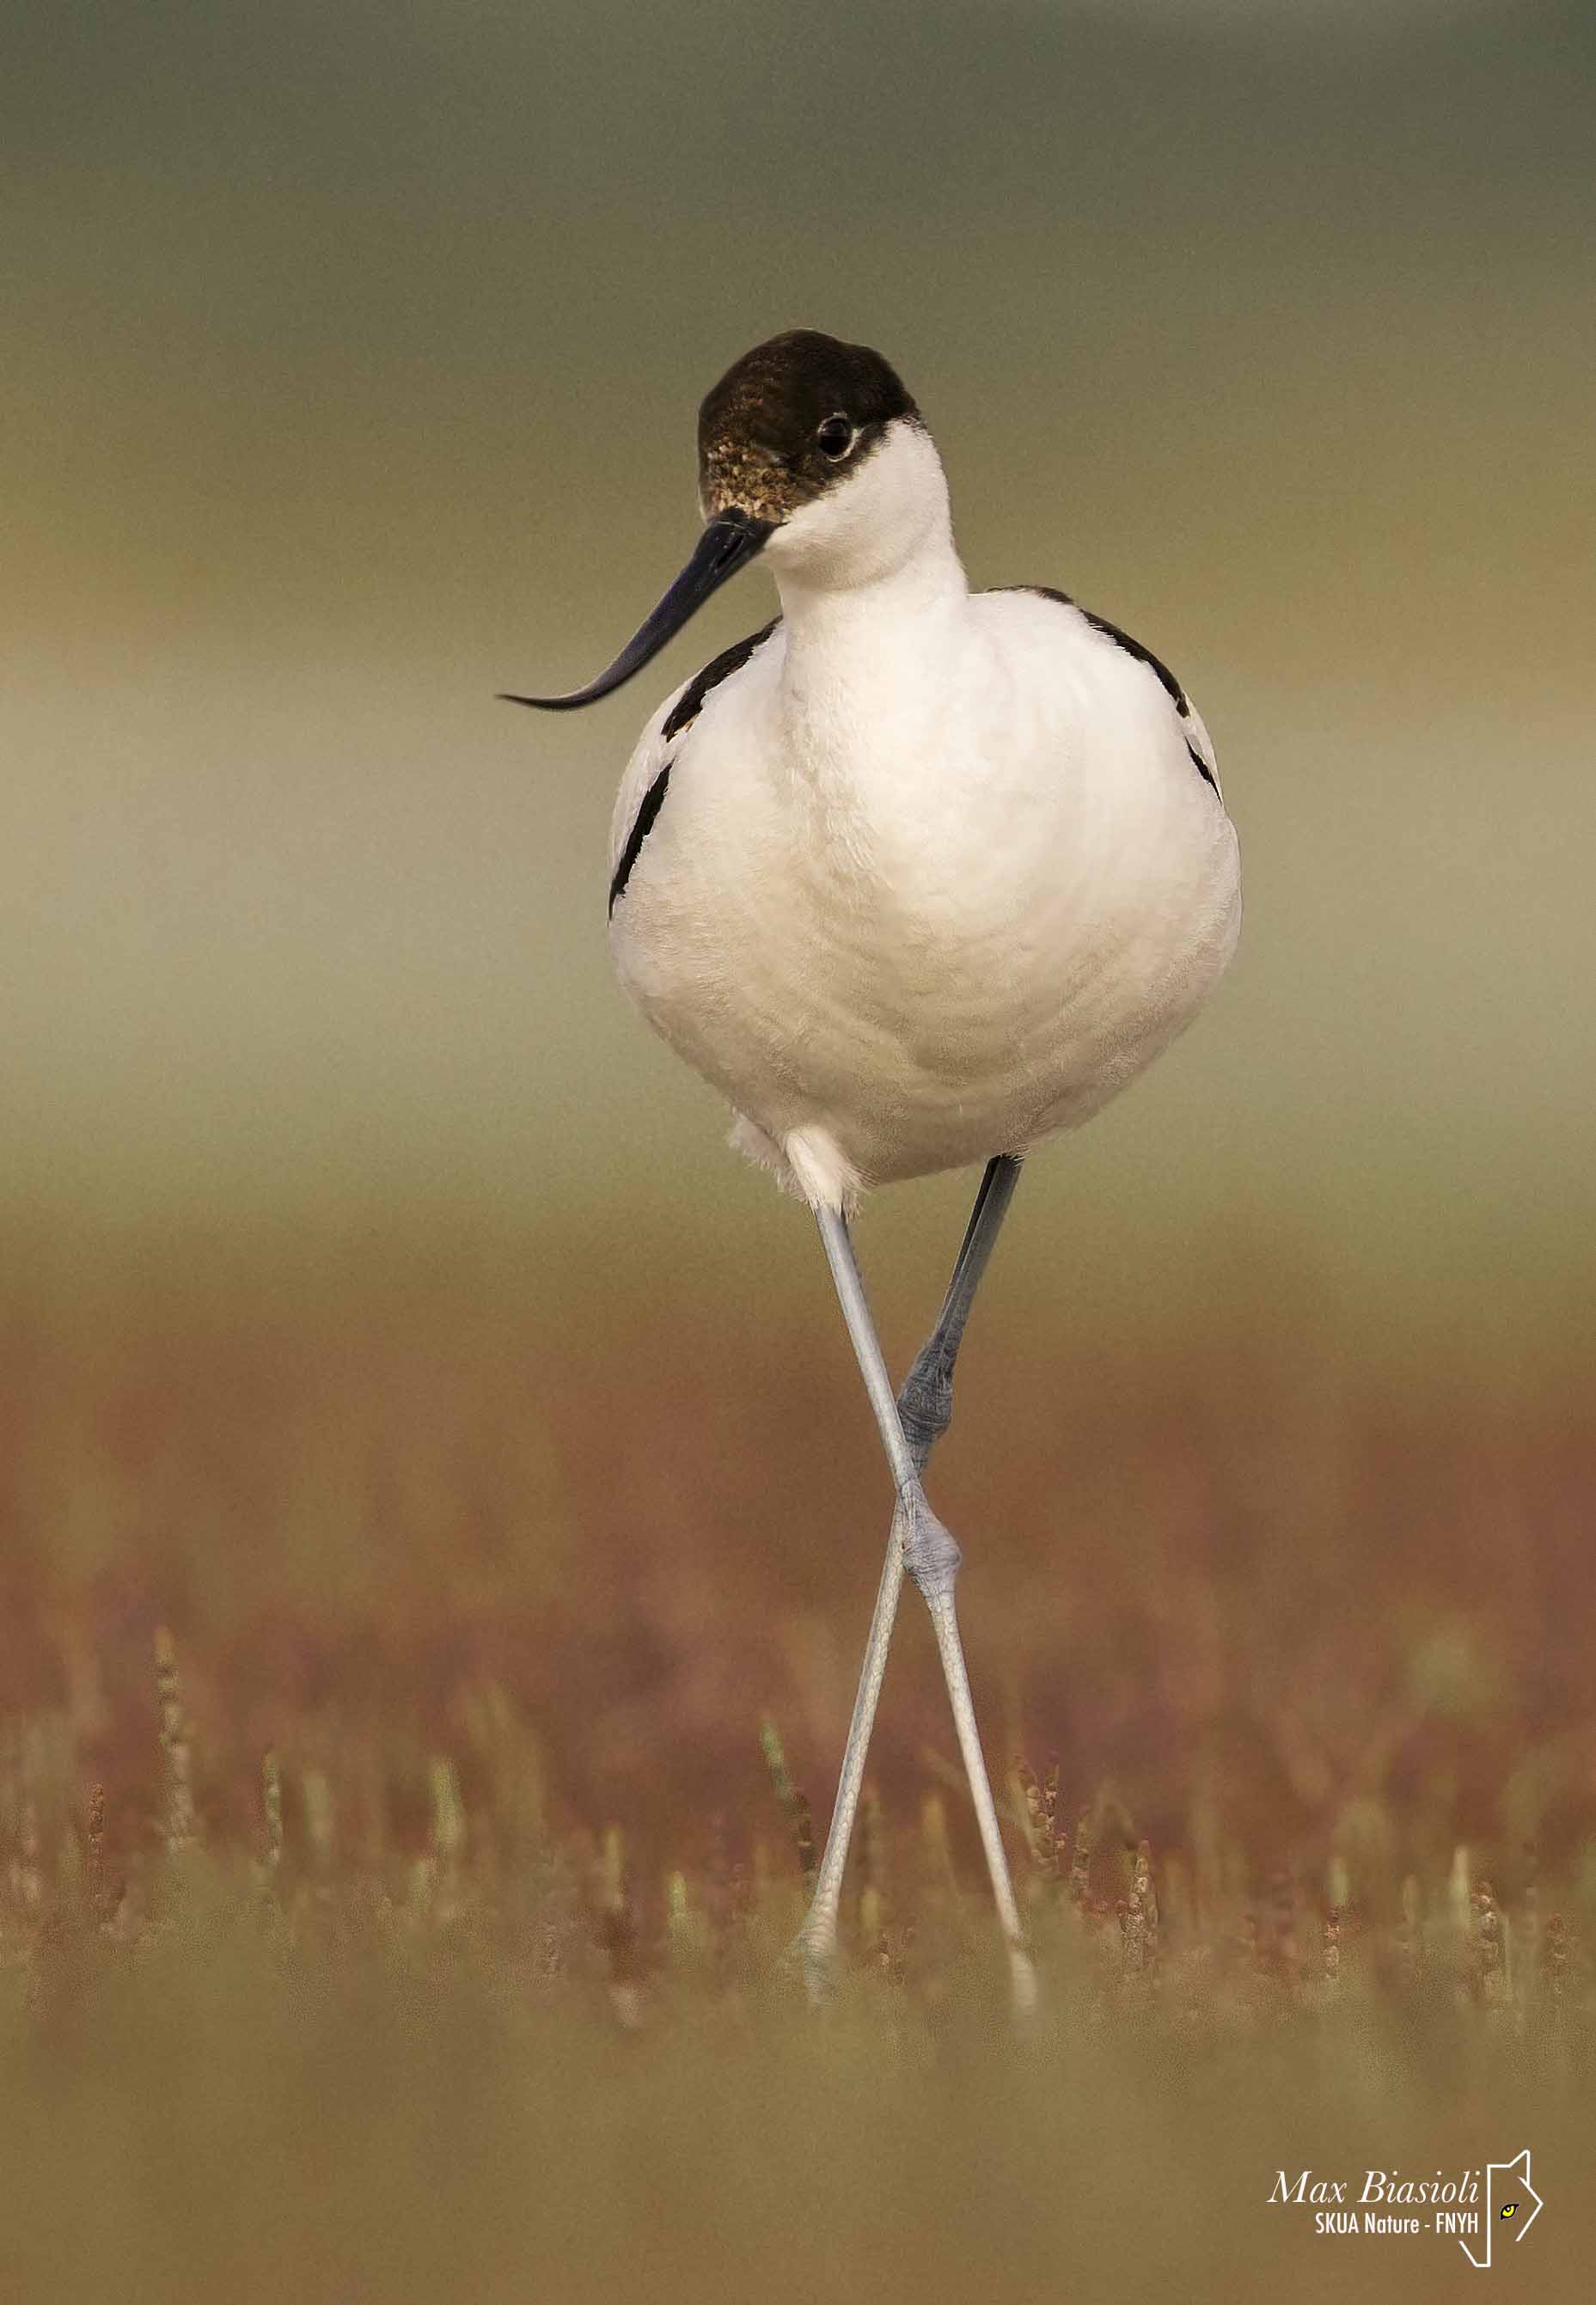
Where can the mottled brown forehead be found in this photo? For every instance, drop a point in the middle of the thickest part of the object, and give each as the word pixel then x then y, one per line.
pixel 757 427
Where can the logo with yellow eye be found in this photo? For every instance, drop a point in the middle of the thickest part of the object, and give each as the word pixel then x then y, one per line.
pixel 1510 2199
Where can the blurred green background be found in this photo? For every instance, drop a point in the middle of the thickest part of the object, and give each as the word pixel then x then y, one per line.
pixel 351 359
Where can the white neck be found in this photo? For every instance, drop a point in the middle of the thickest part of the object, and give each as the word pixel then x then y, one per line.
pixel 860 617
pixel 872 590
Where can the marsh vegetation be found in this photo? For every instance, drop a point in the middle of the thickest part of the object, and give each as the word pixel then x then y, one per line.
pixel 410 1766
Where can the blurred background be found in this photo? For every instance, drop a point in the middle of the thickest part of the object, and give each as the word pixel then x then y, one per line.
pixel 381 1299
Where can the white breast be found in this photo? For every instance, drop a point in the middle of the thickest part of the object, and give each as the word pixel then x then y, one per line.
pixel 931 895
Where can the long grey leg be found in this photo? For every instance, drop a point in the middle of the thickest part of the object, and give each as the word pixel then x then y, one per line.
pixel 924 1407
pixel 925 1404
pixel 910 1429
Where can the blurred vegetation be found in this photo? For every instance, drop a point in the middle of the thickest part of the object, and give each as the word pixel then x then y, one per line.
pixel 393 1886
pixel 324 2072
pixel 1215 1544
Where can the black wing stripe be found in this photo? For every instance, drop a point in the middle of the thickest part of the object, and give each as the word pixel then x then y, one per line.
pixel 691 703
pixel 1143 656
pixel 683 713
pixel 1201 767
pixel 1122 639
pixel 642 824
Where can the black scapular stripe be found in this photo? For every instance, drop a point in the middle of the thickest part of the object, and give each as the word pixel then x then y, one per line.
pixel 683 713
pixel 1122 639
pixel 691 703
pixel 642 824
pixel 1142 655
pixel 1201 767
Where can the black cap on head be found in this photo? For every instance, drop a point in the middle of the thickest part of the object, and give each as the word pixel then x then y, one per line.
pixel 790 418
pixel 788 422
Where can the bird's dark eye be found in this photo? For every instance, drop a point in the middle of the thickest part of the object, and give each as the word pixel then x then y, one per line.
pixel 835 437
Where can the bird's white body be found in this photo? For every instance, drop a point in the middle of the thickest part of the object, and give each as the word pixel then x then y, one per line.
pixel 915 878
pixel 936 873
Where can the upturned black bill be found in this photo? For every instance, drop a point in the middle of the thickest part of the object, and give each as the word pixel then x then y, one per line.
pixel 725 544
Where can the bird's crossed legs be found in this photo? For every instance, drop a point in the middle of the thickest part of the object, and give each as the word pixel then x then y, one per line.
pixel 910 1427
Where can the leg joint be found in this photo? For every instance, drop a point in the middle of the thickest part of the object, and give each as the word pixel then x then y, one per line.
pixel 931 1553
pixel 925 1404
